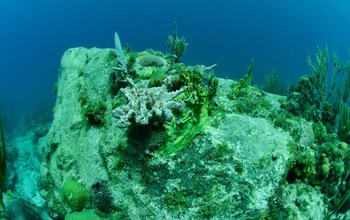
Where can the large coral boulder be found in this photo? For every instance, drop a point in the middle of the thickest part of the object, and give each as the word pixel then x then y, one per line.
pixel 230 170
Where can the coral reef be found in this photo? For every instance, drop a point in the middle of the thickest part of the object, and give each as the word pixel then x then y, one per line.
pixel 324 162
pixel 191 158
pixel 75 194
pixel 301 100
pixel 147 104
pixel 151 60
pixel 301 201
pixel 201 87
pixel 190 149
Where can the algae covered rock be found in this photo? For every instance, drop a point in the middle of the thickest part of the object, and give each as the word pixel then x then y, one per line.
pixel 301 201
pixel 229 166
pixel 233 166
pixel 74 145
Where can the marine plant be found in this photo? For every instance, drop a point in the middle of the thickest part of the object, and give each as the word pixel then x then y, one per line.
pixel 325 164
pixel 157 78
pixel 2 164
pixel 131 60
pixel 339 89
pixel 176 45
pixel 344 122
pixel 301 100
pixel 94 112
pixel 319 72
pixel 312 99
pixel 221 150
pixel 275 84
pixel 193 119
pixel 101 196
pixel 245 82
pixel 201 85
pixel 249 99
pixel 342 204
pixel 180 106
pixel 183 129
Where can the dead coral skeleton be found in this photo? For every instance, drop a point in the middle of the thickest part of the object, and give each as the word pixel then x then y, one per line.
pixel 146 104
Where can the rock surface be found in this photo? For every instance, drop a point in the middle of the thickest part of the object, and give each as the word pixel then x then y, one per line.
pixel 232 170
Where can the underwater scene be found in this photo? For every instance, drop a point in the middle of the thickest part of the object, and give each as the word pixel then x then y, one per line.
pixel 175 110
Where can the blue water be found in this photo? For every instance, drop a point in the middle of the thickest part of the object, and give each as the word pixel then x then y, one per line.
pixel 278 34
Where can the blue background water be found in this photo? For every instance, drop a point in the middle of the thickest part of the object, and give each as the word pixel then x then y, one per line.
pixel 278 34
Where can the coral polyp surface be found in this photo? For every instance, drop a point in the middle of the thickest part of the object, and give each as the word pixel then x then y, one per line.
pixel 147 104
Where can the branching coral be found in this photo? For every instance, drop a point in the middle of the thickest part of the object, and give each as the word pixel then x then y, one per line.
pixel 147 104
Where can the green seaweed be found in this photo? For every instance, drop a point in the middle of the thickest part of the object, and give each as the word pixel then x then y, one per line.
pixel 246 81
pixel 319 72
pixel 180 134
pixel 340 204
pixel 94 111
pixel 193 120
pixel 275 84
pixel 131 60
pixel 344 122
pixel 221 150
